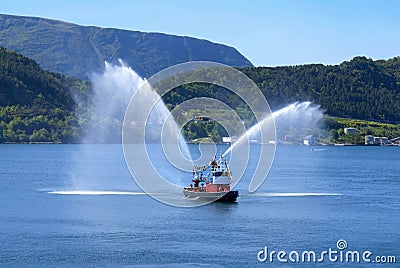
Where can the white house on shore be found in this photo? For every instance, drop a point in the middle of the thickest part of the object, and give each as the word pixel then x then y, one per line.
pixel 229 139
pixel 226 139
pixel 372 140
pixel 369 140
pixel 350 130
pixel 395 140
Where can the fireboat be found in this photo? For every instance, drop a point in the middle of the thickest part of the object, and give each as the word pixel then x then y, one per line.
pixel 212 182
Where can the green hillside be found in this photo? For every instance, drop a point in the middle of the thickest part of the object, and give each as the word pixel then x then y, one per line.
pixel 38 106
pixel 78 51
pixel 360 88
pixel 35 105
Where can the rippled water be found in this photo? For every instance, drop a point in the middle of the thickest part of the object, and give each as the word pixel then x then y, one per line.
pixel 61 207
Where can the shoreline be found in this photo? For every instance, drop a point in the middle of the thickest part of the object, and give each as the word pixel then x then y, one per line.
pixel 217 143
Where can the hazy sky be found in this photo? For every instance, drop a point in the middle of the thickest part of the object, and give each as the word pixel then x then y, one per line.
pixel 268 33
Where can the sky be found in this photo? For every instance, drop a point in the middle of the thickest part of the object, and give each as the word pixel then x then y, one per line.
pixel 268 33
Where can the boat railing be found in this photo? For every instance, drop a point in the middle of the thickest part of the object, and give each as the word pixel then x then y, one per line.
pixel 196 189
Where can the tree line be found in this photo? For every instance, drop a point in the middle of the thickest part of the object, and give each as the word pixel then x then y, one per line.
pixel 36 105
pixel 40 106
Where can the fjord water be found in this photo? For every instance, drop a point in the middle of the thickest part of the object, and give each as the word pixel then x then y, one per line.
pixel 313 197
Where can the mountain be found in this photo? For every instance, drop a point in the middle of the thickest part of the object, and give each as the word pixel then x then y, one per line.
pixel 360 88
pixel 78 51
pixel 35 105
pixel 24 83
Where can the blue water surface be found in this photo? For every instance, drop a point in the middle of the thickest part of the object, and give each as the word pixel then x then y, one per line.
pixel 77 205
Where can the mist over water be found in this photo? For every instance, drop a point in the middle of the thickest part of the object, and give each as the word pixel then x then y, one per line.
pixel 299 118
pixel 298 115
pixel 102 118
pixel 112 90
pixel 100 115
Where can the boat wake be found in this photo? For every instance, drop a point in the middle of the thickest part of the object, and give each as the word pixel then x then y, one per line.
pixel 191 198
pixel 293 194
pixel 89 192
pixel 318 150
pixel 103 192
